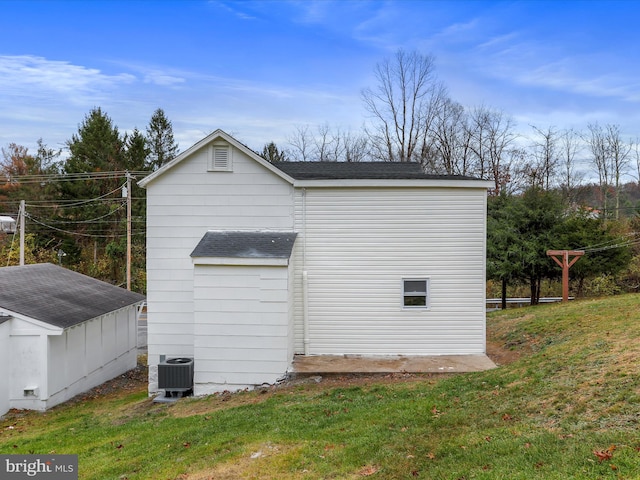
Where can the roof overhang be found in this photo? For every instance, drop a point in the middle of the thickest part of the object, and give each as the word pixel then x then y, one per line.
pixel 394 183
pixel 33 326
pixel 246 261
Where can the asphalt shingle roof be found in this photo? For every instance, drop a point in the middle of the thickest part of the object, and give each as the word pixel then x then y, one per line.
pixel 239 244
pixel 58 296
pixel 358 170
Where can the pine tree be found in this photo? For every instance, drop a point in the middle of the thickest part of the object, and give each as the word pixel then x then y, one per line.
pixel 137 151
pixel 96 212
pixel 271 153
pixel 163 148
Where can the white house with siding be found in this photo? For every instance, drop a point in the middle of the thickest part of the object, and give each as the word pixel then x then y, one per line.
pixel 250 263
pixel 61 333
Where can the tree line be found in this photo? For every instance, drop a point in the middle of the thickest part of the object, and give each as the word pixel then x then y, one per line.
pixel 538 200
pixel 76 207
pixel 411 117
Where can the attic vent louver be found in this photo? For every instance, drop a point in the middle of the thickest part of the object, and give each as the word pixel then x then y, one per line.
pixel 220 158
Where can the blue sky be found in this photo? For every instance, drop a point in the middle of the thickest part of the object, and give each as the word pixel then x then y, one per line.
pixel 260 69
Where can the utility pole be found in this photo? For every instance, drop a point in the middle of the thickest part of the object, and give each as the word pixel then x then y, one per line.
pixel 21 216
pixel 565 264
pixel 128 188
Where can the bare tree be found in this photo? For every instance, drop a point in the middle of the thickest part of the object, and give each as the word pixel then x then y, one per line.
pixel 635 146
pixel 447 138
pixel 491 141
pixel 569 148
pixel 327 145
pixel 596 141
pixel 355 147
pixel 619 158
pixel 401 105
pixel 301 142
pixel 545 152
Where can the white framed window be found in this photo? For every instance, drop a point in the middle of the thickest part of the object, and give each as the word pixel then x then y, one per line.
pixel 220 158
pixel 415 293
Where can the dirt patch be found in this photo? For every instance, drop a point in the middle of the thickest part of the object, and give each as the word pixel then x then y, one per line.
pixel 136 380
pixel 132 381
pixel 500 354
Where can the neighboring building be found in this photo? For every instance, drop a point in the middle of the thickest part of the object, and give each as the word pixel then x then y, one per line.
pixel 7 224
pixel 250 263
pixel 61 333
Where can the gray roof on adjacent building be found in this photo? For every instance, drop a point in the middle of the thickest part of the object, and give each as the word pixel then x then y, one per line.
pixel 58 296
pixel 242 244
pixel 359 170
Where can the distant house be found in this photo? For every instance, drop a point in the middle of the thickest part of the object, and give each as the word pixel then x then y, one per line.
pixel 61 333
pixel 251 263
pixel 7 224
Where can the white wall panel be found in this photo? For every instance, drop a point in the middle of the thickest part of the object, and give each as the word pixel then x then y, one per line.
pixel 243 331
pixel 5 356
pixel 182 206
pixel 358 245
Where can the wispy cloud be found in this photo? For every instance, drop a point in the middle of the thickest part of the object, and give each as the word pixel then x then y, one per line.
pixel 234 9
pixel 32 75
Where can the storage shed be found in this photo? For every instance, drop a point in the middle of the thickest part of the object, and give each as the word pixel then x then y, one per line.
pixel 61 333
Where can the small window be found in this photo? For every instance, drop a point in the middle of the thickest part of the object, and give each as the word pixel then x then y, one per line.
pixel 220 158
pixel 415 293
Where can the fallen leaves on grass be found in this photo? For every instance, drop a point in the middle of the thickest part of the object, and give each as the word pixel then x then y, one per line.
pixel 368 470
pixel 604 454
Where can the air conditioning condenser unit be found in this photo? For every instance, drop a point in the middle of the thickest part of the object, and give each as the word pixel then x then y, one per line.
pixel 175 376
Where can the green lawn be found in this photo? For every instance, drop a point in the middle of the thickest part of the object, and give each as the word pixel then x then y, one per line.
pixel 569 407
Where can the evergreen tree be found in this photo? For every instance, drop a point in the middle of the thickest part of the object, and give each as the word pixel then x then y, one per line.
pixel 137 156
pixel 159 135
pixel 137 151
pixel 96 212
pixel 271 153
pixel 502 242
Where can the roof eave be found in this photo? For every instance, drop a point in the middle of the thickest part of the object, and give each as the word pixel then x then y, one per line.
pixel 41 325
pixel 392 183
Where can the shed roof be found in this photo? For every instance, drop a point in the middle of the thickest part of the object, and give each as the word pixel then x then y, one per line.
pixel 242 244
pixel 359 170
pixel 58 296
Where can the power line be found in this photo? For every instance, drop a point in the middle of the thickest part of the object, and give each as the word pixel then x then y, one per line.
pixel 68 232
pixel 71 177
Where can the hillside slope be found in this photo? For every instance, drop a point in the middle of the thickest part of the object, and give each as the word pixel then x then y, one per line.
pixel 566 407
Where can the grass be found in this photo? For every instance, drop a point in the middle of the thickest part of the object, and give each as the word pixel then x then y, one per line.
pixel 568 407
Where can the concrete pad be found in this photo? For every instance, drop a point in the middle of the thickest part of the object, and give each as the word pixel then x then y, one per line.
pixel 319 364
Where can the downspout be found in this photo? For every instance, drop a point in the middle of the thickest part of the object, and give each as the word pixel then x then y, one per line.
pixel 305 277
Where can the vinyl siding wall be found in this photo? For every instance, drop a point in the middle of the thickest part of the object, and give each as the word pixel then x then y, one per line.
pixel 182 205
pixel 242 326
pixel 5 365
pixel 357 244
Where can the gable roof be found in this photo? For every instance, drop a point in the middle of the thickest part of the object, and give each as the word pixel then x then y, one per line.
pixel 218 134
pixel 242 244
pixel 58 296
pixel 301 174
pixel 359 171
